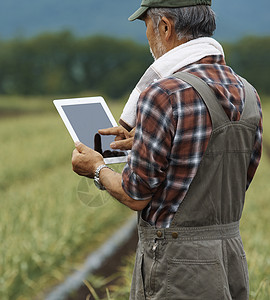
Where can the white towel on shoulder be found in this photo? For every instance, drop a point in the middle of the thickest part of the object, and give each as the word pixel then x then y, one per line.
pixel 166 65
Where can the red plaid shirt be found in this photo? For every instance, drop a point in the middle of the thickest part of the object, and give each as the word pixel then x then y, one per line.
pixel 173 128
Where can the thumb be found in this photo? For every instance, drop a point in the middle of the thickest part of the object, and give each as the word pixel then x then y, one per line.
pixel 97 143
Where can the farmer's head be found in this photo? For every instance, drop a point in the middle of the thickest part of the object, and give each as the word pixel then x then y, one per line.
pixel 173 22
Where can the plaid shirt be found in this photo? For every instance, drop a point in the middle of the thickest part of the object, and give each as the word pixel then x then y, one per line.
pixel 173 128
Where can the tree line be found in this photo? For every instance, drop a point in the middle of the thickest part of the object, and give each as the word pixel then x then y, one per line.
pixel 62 64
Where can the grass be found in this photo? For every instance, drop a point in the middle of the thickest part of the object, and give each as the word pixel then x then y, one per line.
pixel 25 105
pixel 11 105
pixel 120 289
pixel 45 230
pixel 255 222
pixel 266 119
pixel 255 227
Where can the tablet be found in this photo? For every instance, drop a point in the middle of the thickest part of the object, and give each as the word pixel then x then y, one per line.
pixel 83 118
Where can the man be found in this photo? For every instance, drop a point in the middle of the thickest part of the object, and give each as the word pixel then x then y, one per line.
pixel 196 148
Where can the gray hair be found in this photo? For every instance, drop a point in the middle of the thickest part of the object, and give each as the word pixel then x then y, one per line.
pixel 189 22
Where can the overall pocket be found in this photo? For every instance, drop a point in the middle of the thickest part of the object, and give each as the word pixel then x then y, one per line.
pixel 245 268
pixel 194 279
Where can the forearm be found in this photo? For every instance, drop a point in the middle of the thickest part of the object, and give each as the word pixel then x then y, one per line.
pixel 112 181
pixel 85 162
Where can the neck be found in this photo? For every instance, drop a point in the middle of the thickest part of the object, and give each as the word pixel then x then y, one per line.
pixel 175 43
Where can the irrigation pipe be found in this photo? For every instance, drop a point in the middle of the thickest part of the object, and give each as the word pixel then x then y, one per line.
pixel 93 262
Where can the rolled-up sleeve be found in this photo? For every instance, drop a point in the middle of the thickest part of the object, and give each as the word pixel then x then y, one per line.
pixel 149 158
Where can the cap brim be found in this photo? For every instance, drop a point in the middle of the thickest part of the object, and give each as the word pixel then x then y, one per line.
pixel 138 13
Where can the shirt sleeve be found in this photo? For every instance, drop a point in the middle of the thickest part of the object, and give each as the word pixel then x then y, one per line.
pixel 149 157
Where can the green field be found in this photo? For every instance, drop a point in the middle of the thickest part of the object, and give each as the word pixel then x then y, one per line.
pixel 255 223
pixel 46 231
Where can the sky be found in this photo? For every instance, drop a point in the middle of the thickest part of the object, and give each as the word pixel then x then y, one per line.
pixel 235 18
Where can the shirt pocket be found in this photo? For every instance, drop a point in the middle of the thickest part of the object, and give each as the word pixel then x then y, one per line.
pixel 194 279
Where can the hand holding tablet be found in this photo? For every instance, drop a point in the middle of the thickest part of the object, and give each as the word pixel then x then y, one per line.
pixel 84 117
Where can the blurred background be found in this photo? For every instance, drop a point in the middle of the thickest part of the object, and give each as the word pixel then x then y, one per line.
pixel 53 49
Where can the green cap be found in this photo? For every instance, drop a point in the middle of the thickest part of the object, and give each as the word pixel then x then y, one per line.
pixel 165 3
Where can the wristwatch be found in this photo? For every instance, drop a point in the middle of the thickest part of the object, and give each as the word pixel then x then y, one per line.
pixel 96 177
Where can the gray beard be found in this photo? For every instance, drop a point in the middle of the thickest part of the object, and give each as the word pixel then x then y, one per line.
pixel 160 49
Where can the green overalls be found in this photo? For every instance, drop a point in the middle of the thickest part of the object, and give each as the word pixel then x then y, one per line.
pixel 201 255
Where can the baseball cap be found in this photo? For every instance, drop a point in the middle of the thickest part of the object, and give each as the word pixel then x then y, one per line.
pixel 165 3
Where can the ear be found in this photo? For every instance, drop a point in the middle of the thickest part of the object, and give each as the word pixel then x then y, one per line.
pixel 166 28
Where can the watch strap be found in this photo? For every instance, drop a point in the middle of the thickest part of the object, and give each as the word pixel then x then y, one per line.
pixel 96 177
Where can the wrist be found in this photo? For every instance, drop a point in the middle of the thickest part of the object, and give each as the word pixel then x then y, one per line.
pixel 97 182
pixel 97 165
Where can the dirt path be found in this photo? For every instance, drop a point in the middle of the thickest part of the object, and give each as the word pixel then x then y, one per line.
pixel 109 267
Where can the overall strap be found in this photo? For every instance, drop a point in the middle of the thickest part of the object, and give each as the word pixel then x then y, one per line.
pixel 218 197
pixel 217 113
pixel 251 109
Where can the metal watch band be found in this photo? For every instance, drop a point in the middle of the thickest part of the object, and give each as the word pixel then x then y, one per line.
pixel 96 177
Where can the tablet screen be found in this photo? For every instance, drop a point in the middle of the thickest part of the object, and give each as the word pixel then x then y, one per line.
pixel 86 120
pixel 83 118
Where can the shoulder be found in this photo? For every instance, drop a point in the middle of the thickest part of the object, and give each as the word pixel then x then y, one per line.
pixel 166 90
pixel 168 86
